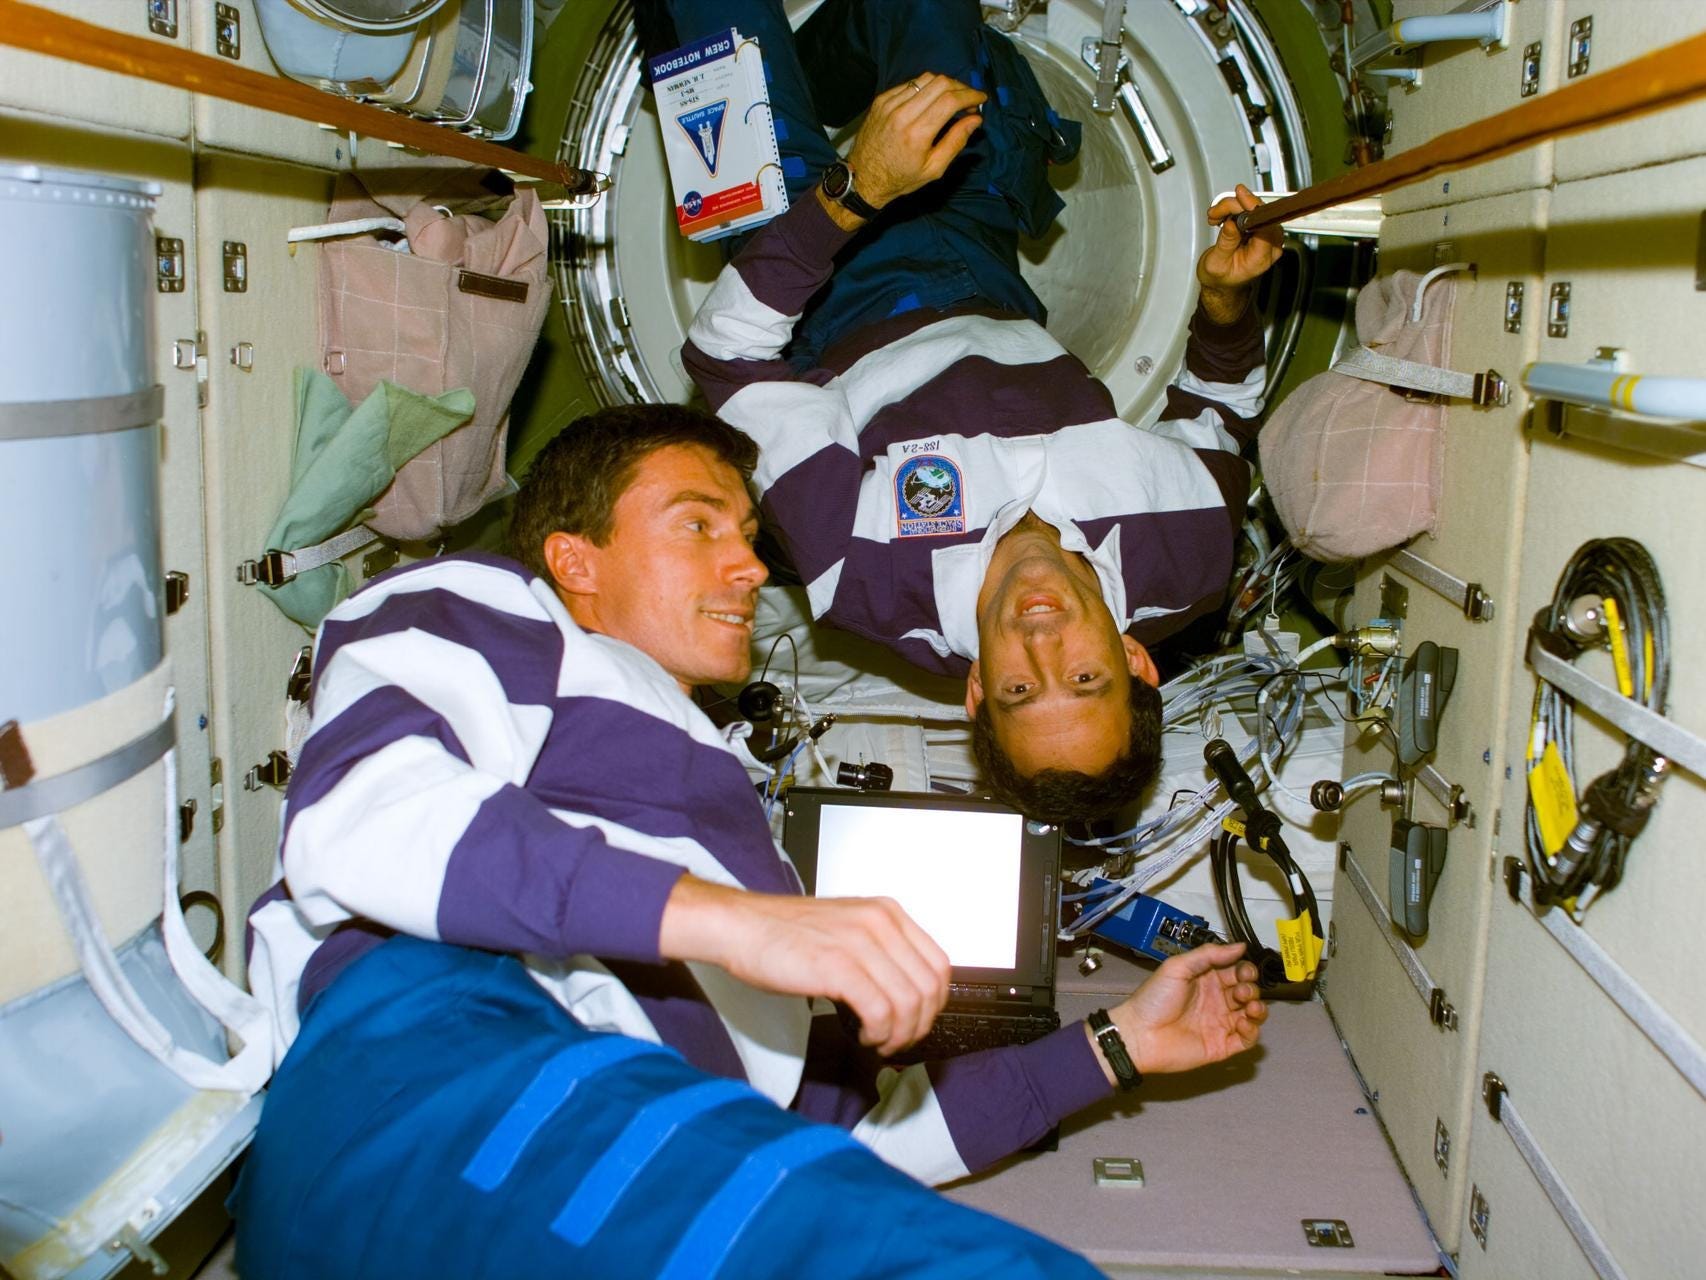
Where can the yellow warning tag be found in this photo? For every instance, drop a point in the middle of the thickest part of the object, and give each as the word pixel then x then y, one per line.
pixel 1299 947
pixel 1554 799
pixel 1619 647
pixel 1233 825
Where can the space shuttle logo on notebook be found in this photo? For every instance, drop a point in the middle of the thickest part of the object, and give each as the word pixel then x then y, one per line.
pixel 704 127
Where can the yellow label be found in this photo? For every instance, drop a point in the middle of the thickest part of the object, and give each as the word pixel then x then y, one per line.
pixel 1554 799
pixel 1619 647
pixel 1299 947
pixel 1234 826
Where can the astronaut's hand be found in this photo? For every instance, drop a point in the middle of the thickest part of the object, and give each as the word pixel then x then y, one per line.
pixel 907 139
pixel 1197 1008
pixel 865 952
pixel 1233 261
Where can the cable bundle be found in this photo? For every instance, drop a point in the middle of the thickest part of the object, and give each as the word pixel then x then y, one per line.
pixel 1609 594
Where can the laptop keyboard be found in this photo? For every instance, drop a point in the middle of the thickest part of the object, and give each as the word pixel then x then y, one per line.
pixel 962 1031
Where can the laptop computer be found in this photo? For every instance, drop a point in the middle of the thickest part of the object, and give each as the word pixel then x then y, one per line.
pixel 977 877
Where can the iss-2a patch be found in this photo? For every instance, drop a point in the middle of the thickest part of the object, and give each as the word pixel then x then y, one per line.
pixel 929 497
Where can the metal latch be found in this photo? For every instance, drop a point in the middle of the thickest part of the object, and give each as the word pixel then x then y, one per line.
pixel 186 820
pixel 216 794
pixel 168 264
pixel 1531 69
pixel 1513 306
pixel 1442 1145
pixel 1479 1214
pixel 243 356
pixel 274 771
pixel 235 256
pixel 274 569
pixel 1327 1233
pixel 163 18
pixel 228 30
pixel 1581 46
pixel 177 590
pixel 1558 310
pixel 1440 1010
pixel 301 680
pixel 1493 1094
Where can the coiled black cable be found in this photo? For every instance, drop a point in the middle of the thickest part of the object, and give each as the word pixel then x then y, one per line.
pixel 1613 809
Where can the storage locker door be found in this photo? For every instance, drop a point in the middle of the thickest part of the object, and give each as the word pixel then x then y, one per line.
pixel 1614 31
pixel 1422 1072
pixel 53 87
pixel 1462 83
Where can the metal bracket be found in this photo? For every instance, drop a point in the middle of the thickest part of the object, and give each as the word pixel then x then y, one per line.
pixel 1493 1094
pixel 1558 310
pixel 1441 1012
pixel 186 820
pixel 228 30
pixel 297 688
pixel 274 771
pixel 168 264
pixel 177 590
pixel 1581 46
pixel 1476 604
pixel 378 560
pixel 163 18
pixel 1327 1233
pixel 243 356
pixel 1531 69
pixel 1130 99
pixel 1513 306
pixel 216 796
pixel 1442 1146
pixel 236 260
pixel 1479 1213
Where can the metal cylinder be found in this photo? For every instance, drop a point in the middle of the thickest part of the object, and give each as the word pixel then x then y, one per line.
pixel 79 447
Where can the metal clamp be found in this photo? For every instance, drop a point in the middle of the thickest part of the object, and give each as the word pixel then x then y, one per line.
pixel 1476 604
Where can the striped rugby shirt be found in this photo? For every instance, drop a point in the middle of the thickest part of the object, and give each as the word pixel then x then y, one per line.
pixel 481 771
pixel 892 470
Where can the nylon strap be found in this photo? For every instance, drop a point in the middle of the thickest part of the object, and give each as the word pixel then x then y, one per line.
pixel 1598 1256
pixel 50 419
pixel 1412 375
pixel 67 790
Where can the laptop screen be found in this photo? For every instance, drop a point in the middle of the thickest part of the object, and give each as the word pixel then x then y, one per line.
pixel 976 876
pixel 955 872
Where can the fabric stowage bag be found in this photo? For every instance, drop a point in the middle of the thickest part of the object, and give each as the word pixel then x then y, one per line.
pixel 458 304
pixel 1354 467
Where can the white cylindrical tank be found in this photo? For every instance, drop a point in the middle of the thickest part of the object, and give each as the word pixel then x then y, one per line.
pixel 79 450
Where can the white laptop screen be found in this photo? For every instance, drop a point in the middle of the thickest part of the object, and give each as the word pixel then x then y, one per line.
pixel 956 872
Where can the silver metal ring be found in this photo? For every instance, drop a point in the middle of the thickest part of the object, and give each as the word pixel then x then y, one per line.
pixel 915 86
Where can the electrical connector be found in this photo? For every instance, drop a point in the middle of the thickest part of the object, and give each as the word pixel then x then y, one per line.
pixel 1152 928
pixel 1380 638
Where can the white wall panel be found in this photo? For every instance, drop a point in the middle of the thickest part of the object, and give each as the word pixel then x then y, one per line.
pixel 1625 29
pixel 1462 83
pixel 1423 1073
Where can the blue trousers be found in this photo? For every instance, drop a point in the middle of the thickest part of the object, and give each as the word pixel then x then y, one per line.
pixel 441 1116
pixel 953 243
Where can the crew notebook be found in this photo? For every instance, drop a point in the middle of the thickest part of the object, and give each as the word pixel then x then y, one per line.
pixel 719 137
pixel 976 876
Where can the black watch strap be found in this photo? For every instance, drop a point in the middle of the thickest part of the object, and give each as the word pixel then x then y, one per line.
pixel 1113 1048
pixel 849 198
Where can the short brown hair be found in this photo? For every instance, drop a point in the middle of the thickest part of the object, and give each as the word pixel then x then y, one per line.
pixel 576 480
pixel 1066 795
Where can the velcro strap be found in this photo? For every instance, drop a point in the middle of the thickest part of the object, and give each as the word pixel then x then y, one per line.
pixel 1371 366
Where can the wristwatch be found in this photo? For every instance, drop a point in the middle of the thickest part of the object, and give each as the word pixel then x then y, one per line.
pixel 1109 1040
pixel 837 183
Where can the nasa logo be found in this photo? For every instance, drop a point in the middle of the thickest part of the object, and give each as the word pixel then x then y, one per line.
pixel 691 203
pixel 929 497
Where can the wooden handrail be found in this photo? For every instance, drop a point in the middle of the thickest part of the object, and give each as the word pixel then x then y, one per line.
pixel 28 26
pixel 1652 82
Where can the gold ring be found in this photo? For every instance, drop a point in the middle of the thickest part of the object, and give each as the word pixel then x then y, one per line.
pixel 915 86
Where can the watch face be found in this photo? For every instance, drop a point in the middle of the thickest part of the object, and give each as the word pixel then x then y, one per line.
pixel 837 180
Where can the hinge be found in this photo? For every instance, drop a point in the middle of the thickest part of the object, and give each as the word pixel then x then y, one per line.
pixel 186 820
pixel 301 675
pixel 177 590
pixel 274 771
pixel 216 797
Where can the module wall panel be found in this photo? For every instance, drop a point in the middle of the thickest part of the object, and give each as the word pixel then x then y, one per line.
pixel 1622 30
pixel 1422 1072
pixel 250 431
pixel 60 88
pixel 1462 83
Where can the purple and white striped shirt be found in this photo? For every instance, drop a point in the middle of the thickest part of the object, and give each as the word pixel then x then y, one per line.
pixel 894 468
pixel 483 772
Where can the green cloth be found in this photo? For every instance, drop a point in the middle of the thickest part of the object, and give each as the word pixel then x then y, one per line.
pixel 345 458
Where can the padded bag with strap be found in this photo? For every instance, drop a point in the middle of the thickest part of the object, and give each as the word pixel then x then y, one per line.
pixel 462 307
pixel 1354 467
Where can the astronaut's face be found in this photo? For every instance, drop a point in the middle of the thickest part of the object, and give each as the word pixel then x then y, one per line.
pixel 1053 669
pixel 677 578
